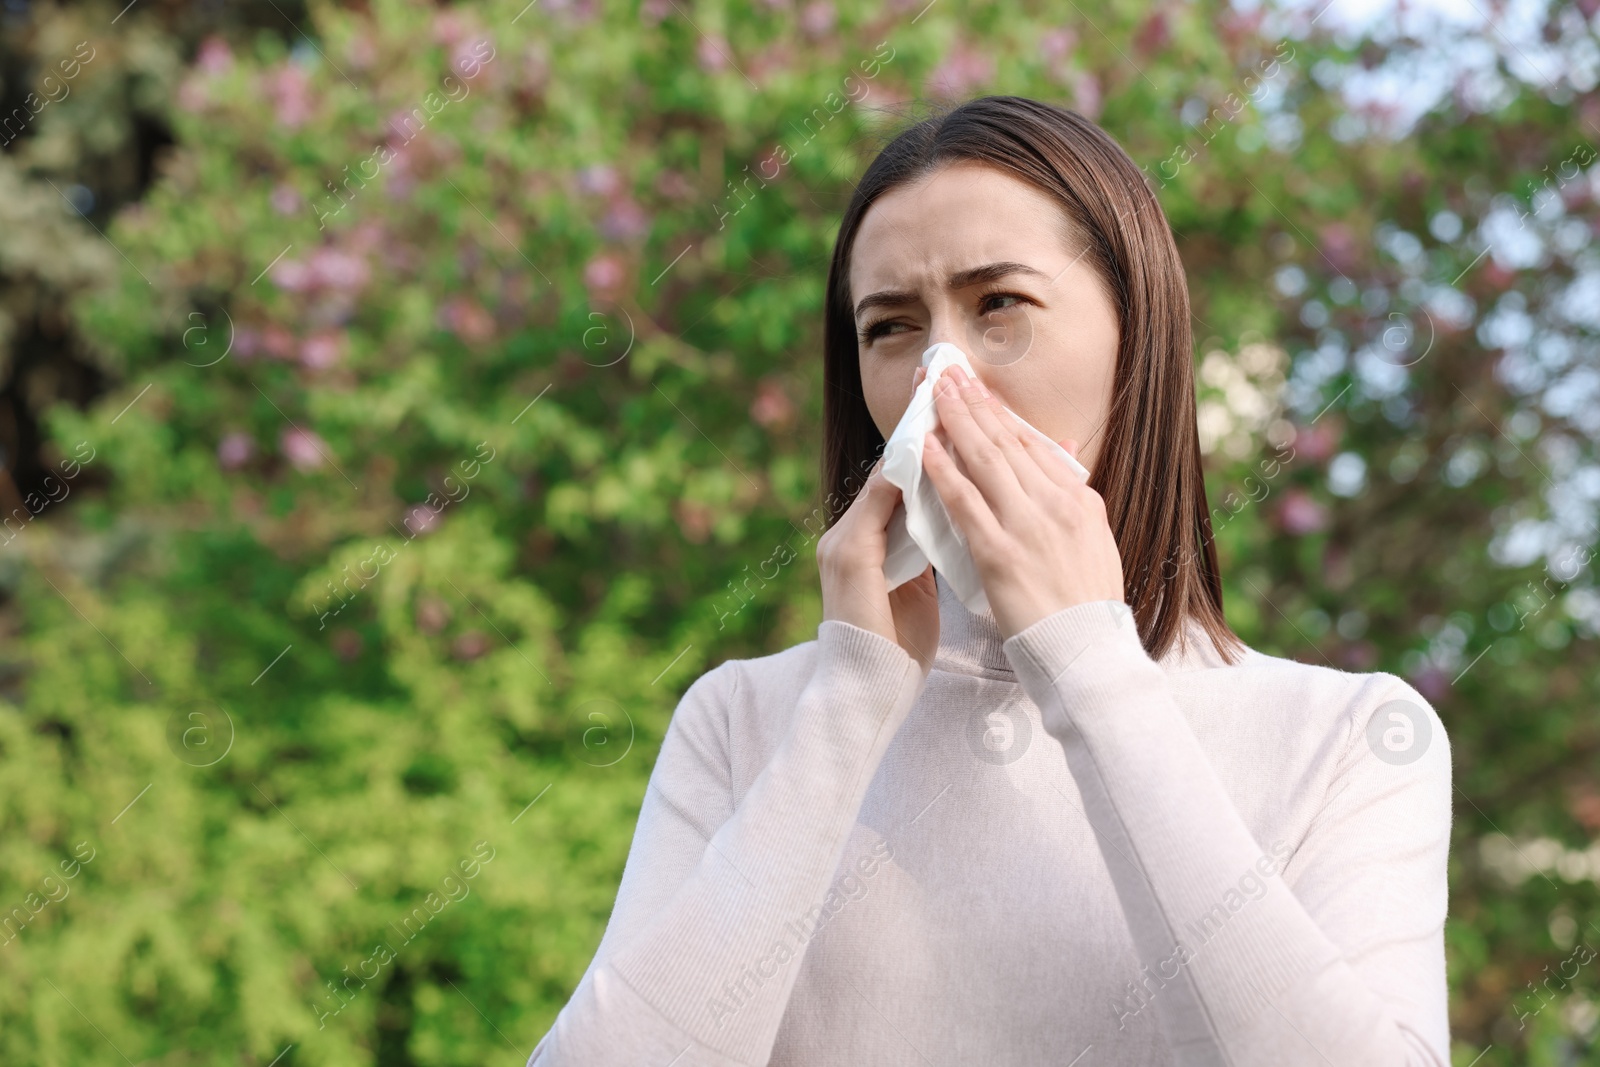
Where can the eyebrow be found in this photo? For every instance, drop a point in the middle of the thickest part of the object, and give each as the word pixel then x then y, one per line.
pixel 961 279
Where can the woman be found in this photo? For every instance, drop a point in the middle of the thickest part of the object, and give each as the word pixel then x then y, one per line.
pixel 1085 827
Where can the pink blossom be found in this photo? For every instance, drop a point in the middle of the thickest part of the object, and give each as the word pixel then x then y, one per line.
pixel 235 450
pixel 625 221
pixel 1432 683
pixel 470 57
pixel 365 238
pixel 448 27
pixel 321 351
pixel 303 448
pixel 712 51
pixel 467 319
pixel 433 615
pixel 360 51
pixel 772 407
pixel 1236 25
pixel 1575 194
pixel 404 126
pixel 1153 35
pixel 471 645
pixel 278 342
pixel 573 10
pixel 402 176
pixel 1339 245
pixel 769 167
pixel 1359 656
pixel 604 275
pixel 1497 276
pixel 346 643
pixel 1316 443
pixel 336 269
pixel 817 18
pixel 289 87
pixel 328 268
pixel 885 97
pixel 214 56
pixel 599 179
pixel 1582 799
pixel 420 519
pixel 246 343
pixel 1299 514
pixel 1057 44
pixel 292 276
pixel 673 185
pixel 1086 96
pixel 775 58
pixel 962 71
pixel 284 199
pixel 694 520
pixel 654 11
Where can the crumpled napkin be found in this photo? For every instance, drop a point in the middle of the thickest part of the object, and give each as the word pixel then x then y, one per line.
pixel 920 530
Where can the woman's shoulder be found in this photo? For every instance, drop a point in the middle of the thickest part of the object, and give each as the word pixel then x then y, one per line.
pixel 738 687
pixel 1304 744
pixel 741 709
pixel 1393 716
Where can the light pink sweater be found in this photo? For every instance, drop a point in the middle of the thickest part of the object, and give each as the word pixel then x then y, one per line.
pixel 1055 850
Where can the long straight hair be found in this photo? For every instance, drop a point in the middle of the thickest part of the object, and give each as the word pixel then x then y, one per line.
pixel 1149 470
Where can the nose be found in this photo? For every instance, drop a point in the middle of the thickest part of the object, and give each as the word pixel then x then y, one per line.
pixel 951 328
pixel 945 327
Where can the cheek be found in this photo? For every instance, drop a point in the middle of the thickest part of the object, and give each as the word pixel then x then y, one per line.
pixel 1063 385
pixel 887 389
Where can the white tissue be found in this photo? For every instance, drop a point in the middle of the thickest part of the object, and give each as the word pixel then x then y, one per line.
pixel 920 530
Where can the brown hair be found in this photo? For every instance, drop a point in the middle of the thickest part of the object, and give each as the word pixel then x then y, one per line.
pixel 1149 470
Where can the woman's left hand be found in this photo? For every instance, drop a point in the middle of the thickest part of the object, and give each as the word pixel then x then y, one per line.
pixel 1037 532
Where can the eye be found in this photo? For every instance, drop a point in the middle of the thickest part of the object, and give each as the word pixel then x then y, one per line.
pixel 988 301
pixel 868 334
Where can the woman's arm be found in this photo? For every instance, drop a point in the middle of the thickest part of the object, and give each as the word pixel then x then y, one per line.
pixel 1345 970
pixel 701 951
pixel 699 956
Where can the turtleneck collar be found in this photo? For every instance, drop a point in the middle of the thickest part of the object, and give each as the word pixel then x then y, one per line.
pixel 970 643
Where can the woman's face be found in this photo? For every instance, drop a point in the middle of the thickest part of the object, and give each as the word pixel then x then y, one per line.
pixel 973 256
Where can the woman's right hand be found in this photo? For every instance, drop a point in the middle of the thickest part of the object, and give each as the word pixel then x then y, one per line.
pixel 850 557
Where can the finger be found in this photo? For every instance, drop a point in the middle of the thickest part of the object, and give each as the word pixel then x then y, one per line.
pixel 983 405
pixel 1079 470
pixel 987 465
pixel 876 501
pixel 905 596
pixel 1009 434
pixel 1049 462
pixel 966 505
pixel 859 491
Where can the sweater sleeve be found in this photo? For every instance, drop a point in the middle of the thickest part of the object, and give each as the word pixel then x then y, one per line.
pixel 1346 969
pixel 699 957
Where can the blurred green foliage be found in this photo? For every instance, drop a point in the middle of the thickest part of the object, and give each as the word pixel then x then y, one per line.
pixel 435 391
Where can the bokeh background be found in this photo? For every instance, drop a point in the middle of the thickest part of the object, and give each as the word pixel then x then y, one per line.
pixel 403 402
